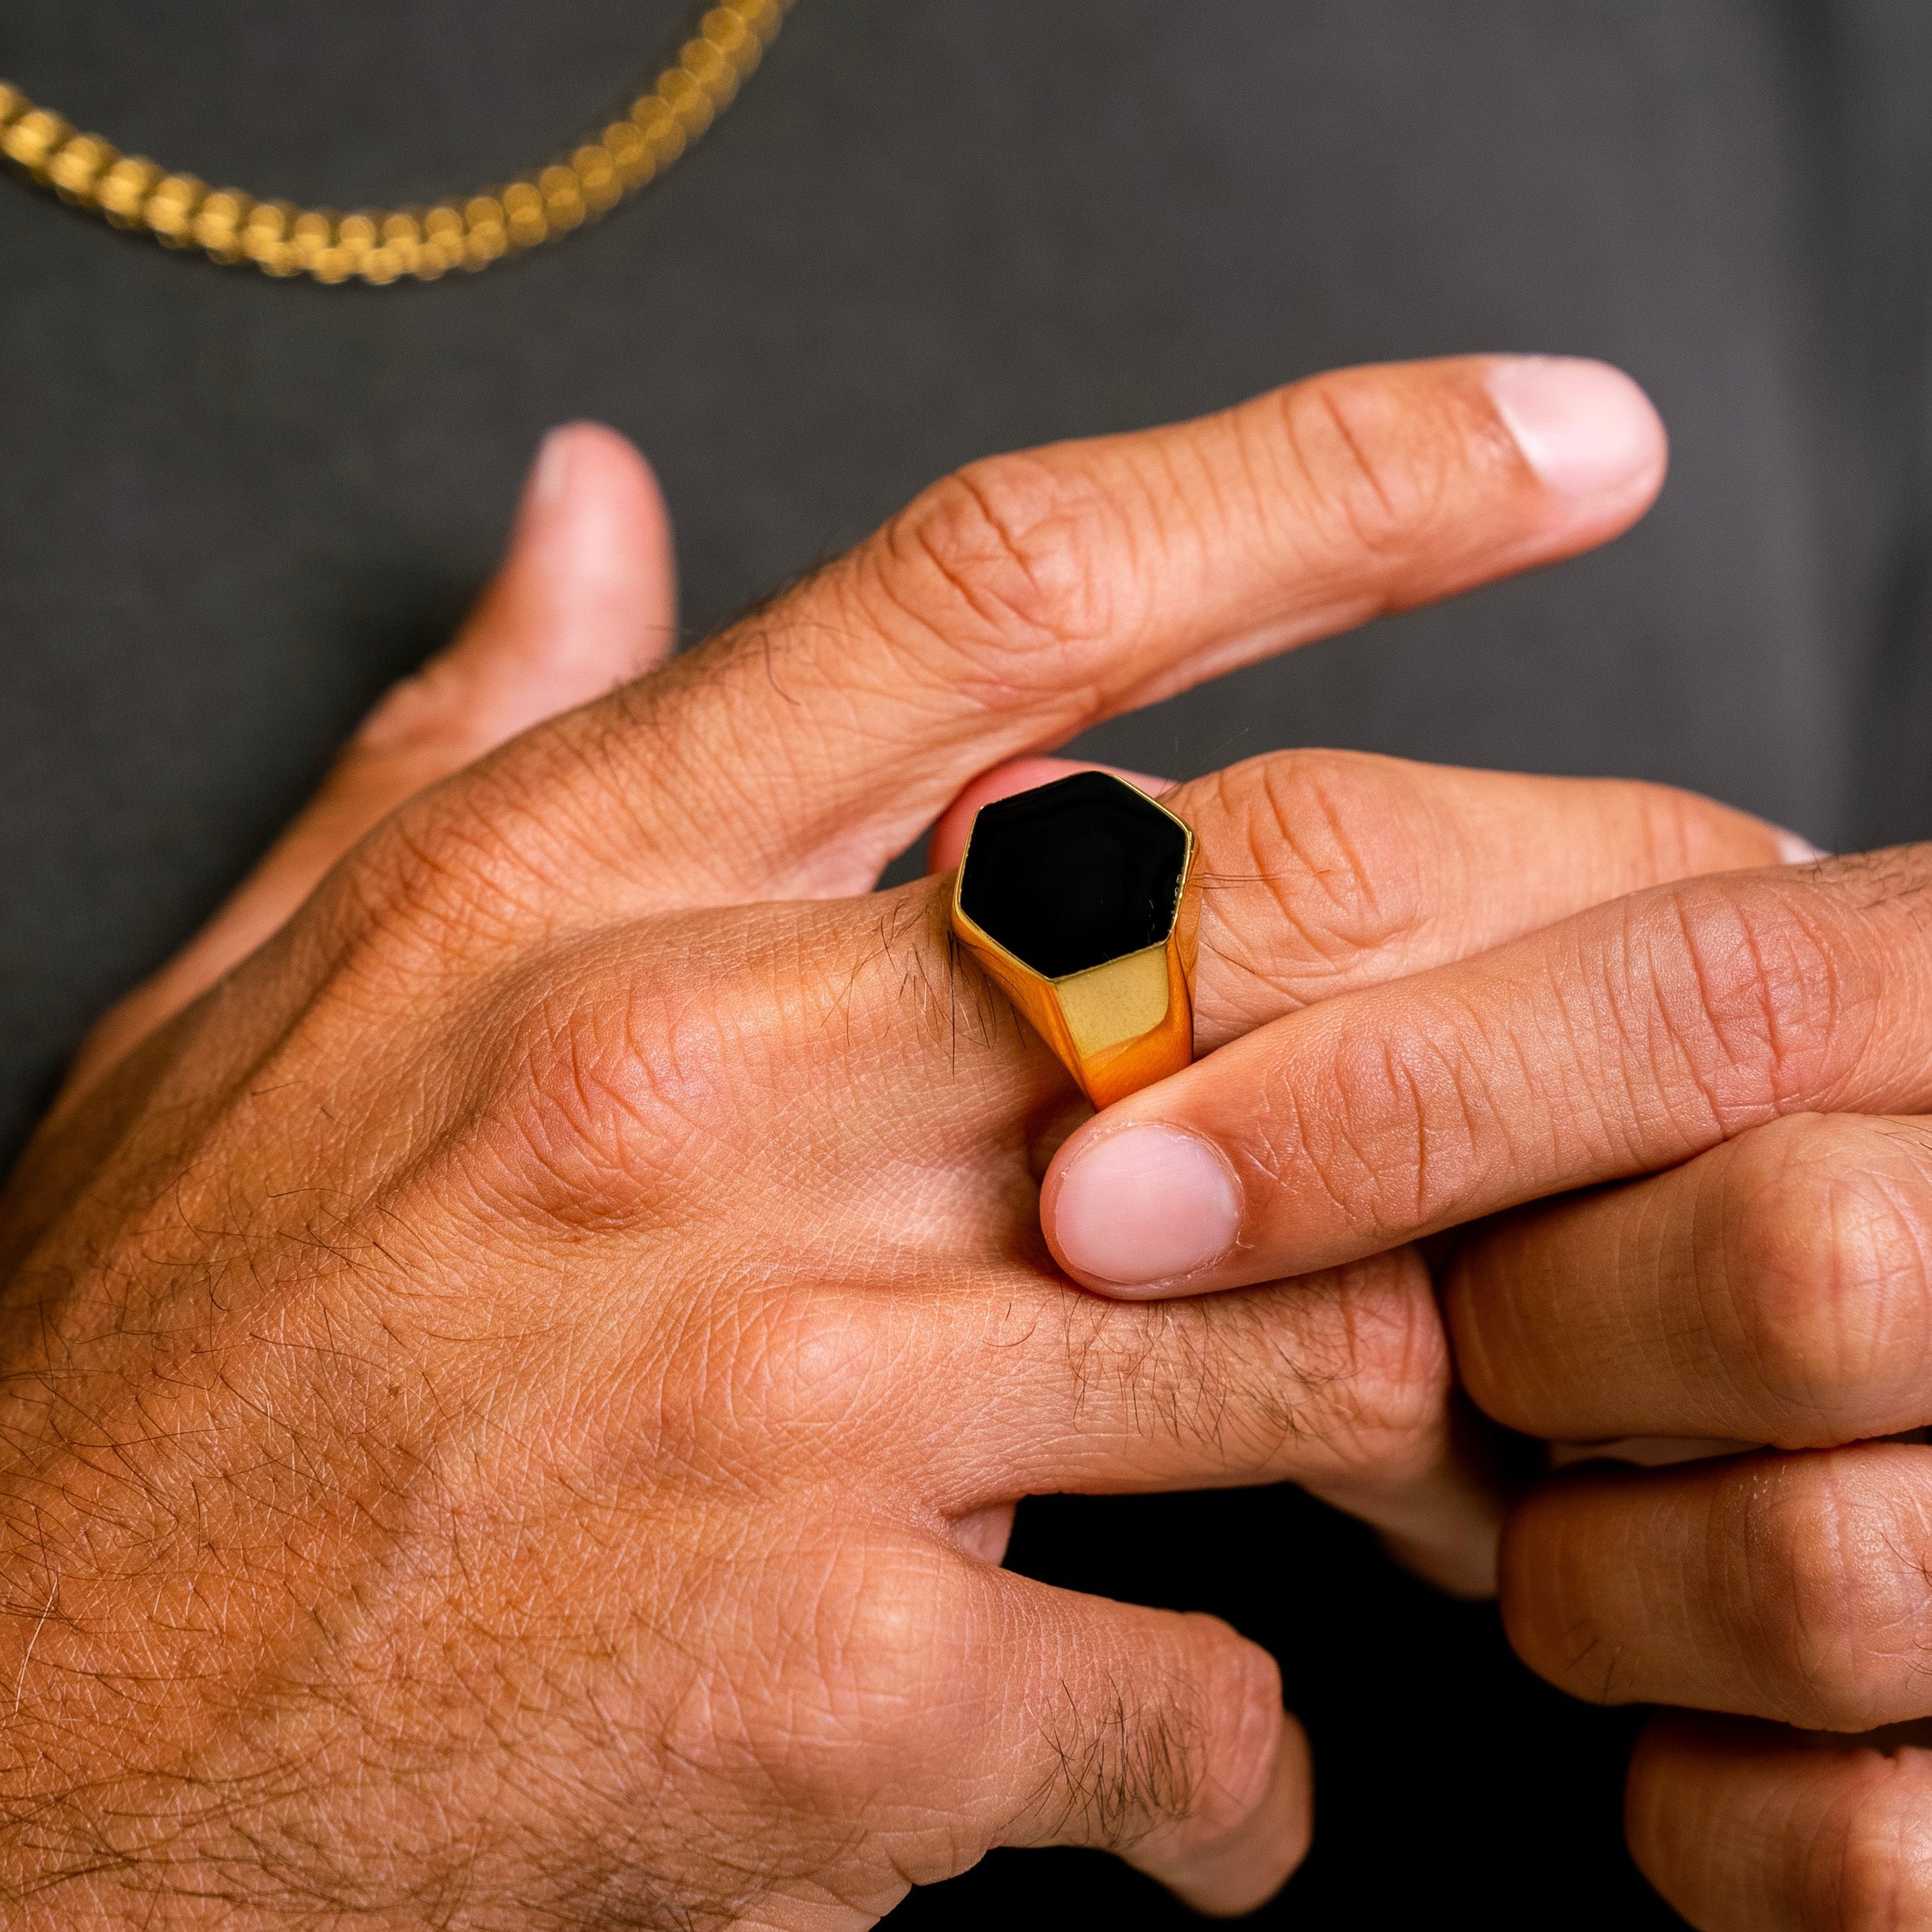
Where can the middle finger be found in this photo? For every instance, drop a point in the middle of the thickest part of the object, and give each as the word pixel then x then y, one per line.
pixel 1777 1289
pixel 1321 872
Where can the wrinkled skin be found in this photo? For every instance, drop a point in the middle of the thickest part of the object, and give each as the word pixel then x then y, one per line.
pixel 523 1344
pixel 1707 1105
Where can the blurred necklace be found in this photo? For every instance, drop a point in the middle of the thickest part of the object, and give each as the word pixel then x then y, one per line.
pixel 383 245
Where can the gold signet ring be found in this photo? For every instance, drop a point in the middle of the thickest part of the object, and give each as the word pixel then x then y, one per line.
pixel 1074 898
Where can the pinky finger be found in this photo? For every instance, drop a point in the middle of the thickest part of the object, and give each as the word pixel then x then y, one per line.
pixel 1750 1827
pixel 1151 1733
pixel 1226 1874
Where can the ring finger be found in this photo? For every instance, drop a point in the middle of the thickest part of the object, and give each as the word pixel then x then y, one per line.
pixel 1789 1585
pixel 1776 1289
pixel 1320 872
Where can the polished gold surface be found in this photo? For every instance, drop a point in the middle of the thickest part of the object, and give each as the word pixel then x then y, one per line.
pixel 1118 1026
pixel 379 245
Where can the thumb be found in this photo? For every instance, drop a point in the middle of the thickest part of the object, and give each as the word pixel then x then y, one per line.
pixel 586 598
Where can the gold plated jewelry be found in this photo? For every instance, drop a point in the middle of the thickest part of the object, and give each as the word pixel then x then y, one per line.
pixel 1074 898
pixel 381 245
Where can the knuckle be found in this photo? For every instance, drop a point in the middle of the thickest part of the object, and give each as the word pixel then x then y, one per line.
pixel 816 1369
pixel 1839 1608
pixel 1241 1690
pixel 996 562
pixel 1683 834
pixel 859 1637
pixel 1825 1835
pixel 438 881
pixel 1370 467
pixel 1869 1866
pixel 1873 1875
pixel 1193 1749
pixel 1832 1295
pixel 602 1098
pixel 1878 1857
pixel 656 1075
pixel 1329 838
pixel 1738 996
pixel 1402 1139
pixel 1374 1377
pixel 881 1628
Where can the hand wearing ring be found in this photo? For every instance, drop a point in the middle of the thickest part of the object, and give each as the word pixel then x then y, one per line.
pixel 517 1392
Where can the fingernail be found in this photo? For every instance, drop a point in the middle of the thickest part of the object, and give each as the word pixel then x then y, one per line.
pixel 1583 427
pixel 1794 851
pixel 550 472
pixel 1144 1204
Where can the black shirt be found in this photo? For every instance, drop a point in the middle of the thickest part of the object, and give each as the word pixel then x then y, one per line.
pixel 234 510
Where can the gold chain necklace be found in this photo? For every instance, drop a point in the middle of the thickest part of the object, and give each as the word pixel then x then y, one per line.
pixel 382 245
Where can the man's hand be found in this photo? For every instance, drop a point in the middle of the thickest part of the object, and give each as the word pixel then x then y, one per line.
pixel 514 1392
pixel 1760 1046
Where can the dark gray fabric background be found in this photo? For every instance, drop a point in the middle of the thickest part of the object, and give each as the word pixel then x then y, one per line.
pixel 233 511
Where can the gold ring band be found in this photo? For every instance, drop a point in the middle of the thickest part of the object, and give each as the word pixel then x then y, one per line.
pixel 1074 898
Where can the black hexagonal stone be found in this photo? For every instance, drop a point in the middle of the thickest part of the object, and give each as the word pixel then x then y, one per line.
pixel 1074 874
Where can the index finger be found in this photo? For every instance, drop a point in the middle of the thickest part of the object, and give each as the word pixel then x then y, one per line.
pixel 1028 596
pixel 1623 1041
